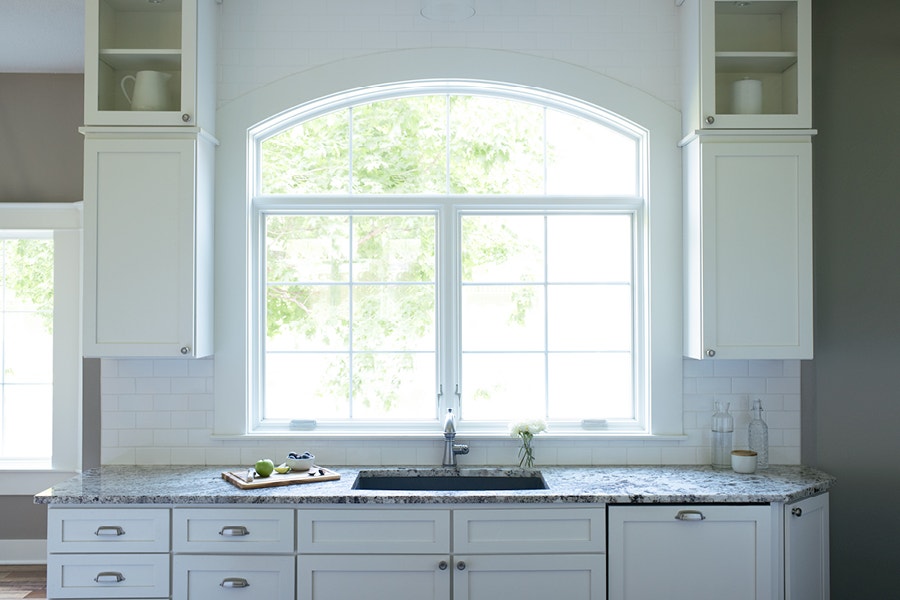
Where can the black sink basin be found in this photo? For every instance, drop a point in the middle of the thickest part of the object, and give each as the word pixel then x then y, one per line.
pixel 412 480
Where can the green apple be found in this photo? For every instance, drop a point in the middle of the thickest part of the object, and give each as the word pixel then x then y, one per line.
pixel 264 467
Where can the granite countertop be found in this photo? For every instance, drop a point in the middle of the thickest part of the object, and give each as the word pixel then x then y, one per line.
pixel 566 485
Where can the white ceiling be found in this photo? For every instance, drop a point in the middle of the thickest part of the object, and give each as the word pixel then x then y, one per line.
pixel 41 36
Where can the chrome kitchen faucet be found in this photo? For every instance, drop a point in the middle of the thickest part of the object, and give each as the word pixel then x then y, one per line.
pixel 451 449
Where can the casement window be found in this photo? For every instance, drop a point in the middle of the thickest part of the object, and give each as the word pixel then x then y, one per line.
pixel 40 358
pixel 443 245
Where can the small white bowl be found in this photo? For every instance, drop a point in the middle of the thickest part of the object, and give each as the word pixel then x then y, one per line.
pixel 300 464
pixel 743 461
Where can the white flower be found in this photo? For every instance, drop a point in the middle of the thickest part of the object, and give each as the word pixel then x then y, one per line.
pixel 531 426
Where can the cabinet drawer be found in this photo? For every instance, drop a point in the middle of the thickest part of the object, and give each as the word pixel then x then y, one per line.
pixel 108 576
pixel 373 531
pixel 219 530
pixel 528 530
pixel 107 530
pixel 233 577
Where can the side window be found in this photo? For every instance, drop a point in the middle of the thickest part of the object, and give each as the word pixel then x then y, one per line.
pixel 40 346
pixel 26 348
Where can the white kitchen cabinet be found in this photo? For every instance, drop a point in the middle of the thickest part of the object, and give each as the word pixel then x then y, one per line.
pixel 233 576
pixel 529 576
pixel 103 552
pixel 701 552
pixel 233 530
pixel 765 41
pixel 374 577
pixel 173 43
pixel 148 248
pixel 98 576
pixel 397 554
pixel 806 549
pixel 748 247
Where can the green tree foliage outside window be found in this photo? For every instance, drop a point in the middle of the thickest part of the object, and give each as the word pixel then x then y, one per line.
pixel 350 296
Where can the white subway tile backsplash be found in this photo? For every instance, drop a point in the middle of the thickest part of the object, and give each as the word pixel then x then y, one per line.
pixel 174 426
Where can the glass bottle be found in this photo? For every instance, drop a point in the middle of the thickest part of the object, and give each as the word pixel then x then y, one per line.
pixel 722 435
pixel 759 436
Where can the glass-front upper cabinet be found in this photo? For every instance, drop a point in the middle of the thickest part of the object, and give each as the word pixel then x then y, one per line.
pixel 150 62
pixel 747 64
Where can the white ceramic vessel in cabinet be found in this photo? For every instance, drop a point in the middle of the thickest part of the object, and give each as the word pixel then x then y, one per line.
pixel 175 40
pixel 724 41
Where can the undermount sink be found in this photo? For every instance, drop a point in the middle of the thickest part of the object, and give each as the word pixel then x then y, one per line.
pixel 449 480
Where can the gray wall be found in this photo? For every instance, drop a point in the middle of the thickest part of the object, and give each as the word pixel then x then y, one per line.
pixel 41 155
pixel 853 404
pixel 41 151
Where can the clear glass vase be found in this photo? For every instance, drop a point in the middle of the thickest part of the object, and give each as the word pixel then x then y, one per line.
pixel 722 436
pixel 759 436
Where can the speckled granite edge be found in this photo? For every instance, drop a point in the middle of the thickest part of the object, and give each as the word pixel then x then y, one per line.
pixel 176 485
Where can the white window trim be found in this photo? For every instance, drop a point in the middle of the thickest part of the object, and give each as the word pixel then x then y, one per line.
pixel 65 221
pixel 662 225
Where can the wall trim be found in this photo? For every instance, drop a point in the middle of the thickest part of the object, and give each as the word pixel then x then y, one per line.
pixel 23 552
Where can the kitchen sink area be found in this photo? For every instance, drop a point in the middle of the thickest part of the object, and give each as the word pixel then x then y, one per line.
pixel 449 480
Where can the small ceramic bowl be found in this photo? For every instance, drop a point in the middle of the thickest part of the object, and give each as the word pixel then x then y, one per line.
pixel 300 464
pixel 743 461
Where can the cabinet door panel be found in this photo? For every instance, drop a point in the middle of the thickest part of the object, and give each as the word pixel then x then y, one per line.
pixel 395 577
pixel 140 242
pixel 530 577
pixel 232 577
pixel 726 554
pixel 107 530
pixel 749 250
pixel 108 575
pixel 806 549
pixel 374 531
pixel 245 531
pixel 529 530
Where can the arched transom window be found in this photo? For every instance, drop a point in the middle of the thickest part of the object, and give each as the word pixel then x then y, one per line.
pixel 448 245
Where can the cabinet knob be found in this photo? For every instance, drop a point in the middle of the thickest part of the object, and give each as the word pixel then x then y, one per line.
pixel 109 577
pixel 234 582
pixel 797 511
pixel 109 530
pixel 710 120
pixel 186 117
pixel 461 565
pixel 710 352
pixel 443 565
pixel 185 349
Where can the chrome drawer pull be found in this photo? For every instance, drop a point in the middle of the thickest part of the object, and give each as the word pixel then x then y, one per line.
pixel 690 515
pixel 234 531
pixel 109 577
pixel 109 530
pixel 234 582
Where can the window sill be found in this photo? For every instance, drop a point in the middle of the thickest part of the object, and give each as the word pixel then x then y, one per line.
pixel 22 482
pixel 437 436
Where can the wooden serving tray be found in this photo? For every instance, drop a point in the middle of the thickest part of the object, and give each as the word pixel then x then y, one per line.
pixel 241 479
